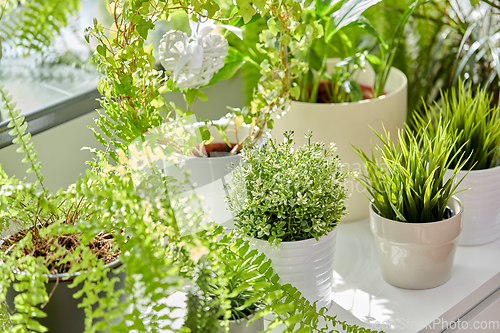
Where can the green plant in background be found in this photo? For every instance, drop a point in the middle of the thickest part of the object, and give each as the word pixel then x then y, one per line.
pixel 33 24
pixel 328 19
pixel 336 29
pixel 320 22
pixel 444 42
pixel 285 193
pixel 407 180
pixel 472 119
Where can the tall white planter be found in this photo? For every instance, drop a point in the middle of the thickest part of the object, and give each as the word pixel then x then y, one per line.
pixel 307 265
pixel 206 177
pixel 481 220
pixel 417 255
pixel 349 123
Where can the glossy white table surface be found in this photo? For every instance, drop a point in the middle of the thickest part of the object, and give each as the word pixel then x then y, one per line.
pixel 360 293
pixel 363 298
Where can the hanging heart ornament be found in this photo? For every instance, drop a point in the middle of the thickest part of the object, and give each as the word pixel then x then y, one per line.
pixel 194 60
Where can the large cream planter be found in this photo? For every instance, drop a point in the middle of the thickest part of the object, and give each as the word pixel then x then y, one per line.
pixel 349 123
pixel 207 176
pixel 307 265
pixel 481 220
pixel 417 255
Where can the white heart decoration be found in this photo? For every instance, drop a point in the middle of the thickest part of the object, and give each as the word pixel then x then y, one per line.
pixel 196 59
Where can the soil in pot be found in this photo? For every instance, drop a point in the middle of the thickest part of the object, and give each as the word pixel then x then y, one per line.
pixel 326 86
pixel 101 245
pixel 215 149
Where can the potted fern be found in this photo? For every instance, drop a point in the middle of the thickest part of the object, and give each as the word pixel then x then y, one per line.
pixel 475 121
pixel 43 254
pixel 288 201
pixel 340 101
pixel 414 215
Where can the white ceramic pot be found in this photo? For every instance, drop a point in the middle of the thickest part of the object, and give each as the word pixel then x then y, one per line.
pixel 207 177
pixel 240 326
pixel 307 265
pixel 481 220
pixel 349 123
pixel 417 255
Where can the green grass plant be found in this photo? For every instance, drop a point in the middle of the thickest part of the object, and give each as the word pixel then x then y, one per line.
pixel 473 120
pixel 407 179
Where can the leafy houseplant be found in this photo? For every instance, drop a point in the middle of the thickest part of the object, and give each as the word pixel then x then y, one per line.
pixel 446 41
pixel 350 121
pixel 44 245
pixel 290 197
pixel 131 86
pixel 146 211
pixel 475 122
pixel 240 296
pixel 413 207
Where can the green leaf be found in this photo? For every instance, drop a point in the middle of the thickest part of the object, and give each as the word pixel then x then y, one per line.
pixel 295 91
pixel 246 10
pixel 101 49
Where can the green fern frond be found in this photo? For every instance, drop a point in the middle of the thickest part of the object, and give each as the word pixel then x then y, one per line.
pixel 18 127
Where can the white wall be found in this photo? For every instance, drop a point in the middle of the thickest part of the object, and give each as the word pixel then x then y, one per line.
pixel 59 151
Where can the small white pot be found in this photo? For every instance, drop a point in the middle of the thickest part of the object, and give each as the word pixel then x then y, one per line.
pixel 307 265
pixel 417 255
pixel 240 326
pixel 207 177
pixel 481 220
pixel 349 123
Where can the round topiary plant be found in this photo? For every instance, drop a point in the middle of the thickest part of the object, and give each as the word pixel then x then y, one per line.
pixel 283 193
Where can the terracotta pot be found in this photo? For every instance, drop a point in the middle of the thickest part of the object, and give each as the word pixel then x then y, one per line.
pixel 417 255
pixel 306 264
pixel 348 124
pixel 481 220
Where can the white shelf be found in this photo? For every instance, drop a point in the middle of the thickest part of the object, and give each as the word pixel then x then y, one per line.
pixel 362 294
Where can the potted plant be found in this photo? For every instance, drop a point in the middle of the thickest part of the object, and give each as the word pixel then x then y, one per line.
pixel 442 54
pixel 42 253
pixel 164 238
pixel 414 216
pixel 186 68
pixel 475 121
pixel 241 307
pixel 288 201
pixel 331 101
